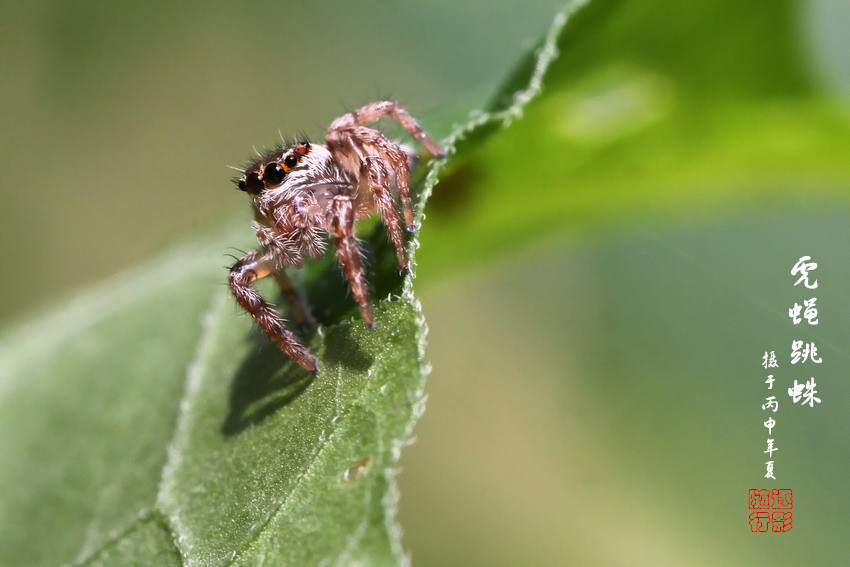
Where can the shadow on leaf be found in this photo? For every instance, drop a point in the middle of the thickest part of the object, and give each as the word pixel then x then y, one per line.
pixel 342 350
pixel 266 381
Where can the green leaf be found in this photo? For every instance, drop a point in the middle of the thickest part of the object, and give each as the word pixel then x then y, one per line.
pixel 167 424
pixel 150 422
pixel 162 411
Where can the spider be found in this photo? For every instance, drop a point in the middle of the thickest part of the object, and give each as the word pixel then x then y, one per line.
pixel 303 192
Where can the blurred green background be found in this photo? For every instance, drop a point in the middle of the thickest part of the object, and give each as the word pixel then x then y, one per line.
pixel 596 391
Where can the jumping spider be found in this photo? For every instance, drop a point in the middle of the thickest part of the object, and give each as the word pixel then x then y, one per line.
pixel 305 191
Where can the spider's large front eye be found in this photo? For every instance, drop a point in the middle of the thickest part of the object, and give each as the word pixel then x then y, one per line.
pixel 274 173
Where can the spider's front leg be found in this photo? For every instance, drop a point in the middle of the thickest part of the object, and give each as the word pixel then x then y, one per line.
pixel 250 268
pixel 342 229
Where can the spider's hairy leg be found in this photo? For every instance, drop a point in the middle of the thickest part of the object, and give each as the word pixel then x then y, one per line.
pixel 250 268
pixel 374 152
pixel 374 173
pixel 342 228
pixel 376 110
pixel 300 312
pixel 398 160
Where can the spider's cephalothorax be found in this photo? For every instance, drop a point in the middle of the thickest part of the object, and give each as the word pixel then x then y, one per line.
pixel 304 192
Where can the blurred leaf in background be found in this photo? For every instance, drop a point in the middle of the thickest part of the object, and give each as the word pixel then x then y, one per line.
pixel 697 117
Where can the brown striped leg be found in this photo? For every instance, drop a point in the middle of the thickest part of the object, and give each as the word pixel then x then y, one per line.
pixel 398 162
pixel 342 228
pixel 250 268
pixel 374 170
pixel 376 110
pixel 299 311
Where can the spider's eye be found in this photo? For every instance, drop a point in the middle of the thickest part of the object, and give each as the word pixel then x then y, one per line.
pixel 274 173
pixel 290 161
pixel 251 183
